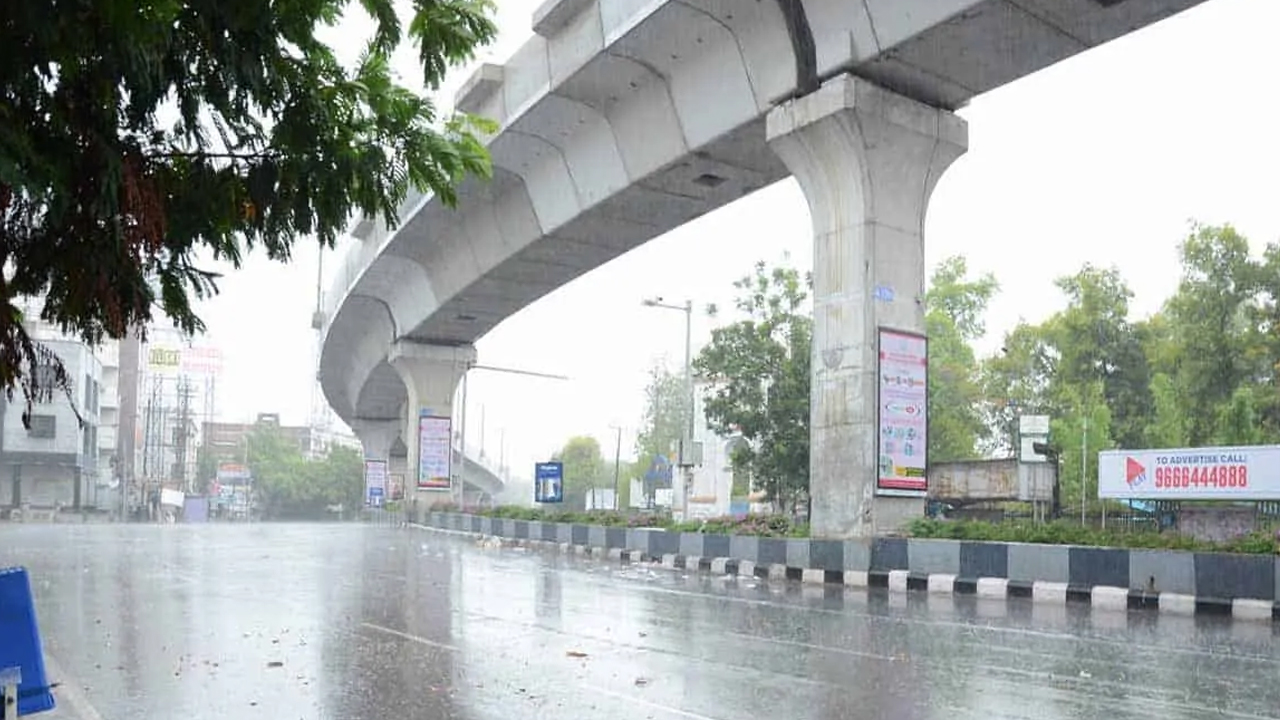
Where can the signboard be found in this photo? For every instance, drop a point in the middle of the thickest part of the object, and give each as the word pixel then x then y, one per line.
pixel 1032 429
pixel 395 486
pixel 178 359
pixel 375 482
pixel 548 482
pixel 902 409
pixel 435 459
pixel 1214 473
pixel 172 498
pixel 233 474
pixel 1033 425
pixel 991 480
pixel 163 360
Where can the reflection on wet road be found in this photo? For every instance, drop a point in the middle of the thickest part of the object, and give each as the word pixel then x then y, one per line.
pixel 354 622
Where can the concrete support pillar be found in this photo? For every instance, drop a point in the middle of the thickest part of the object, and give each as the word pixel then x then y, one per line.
pixel 377 436
pixel 867 160
pixel 430 374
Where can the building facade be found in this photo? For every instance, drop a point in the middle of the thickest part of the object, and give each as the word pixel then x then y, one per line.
pixel 55 462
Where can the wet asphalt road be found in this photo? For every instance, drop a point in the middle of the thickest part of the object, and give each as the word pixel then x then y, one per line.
pixel 372 622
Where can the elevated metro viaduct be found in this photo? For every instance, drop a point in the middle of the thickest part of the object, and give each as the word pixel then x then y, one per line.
pixel 620 120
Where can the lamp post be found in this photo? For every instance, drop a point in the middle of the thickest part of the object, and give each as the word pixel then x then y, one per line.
pixel 462 435
pixel 617 464
pixel 686 463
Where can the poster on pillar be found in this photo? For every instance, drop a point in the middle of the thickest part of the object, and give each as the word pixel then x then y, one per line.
pixel 375 482
pixel 902 408
pixel 435 459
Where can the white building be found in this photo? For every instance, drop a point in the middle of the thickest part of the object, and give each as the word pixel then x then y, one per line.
pixel 712 489
pixel 56 462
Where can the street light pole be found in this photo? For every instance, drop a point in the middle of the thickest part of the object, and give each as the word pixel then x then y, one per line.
pixel 459 493
pixel 1084 467
pixel 617 464
pixel 686 443
pixel 687 446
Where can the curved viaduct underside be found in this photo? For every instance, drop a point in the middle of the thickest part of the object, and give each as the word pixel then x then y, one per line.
pixel 623 119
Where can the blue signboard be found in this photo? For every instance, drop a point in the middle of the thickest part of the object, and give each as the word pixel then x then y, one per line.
pixel 20 653
pixel 548 482
pixel 659 473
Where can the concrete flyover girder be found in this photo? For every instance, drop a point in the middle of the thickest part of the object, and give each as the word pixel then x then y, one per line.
pixel 622 119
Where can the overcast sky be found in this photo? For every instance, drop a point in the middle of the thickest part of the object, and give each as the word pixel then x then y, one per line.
pixel 1105 158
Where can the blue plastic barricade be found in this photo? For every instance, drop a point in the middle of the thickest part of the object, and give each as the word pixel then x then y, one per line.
pixel 21 659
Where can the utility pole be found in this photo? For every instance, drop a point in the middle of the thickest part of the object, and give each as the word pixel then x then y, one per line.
pixel 617 460
pixel 462 441
pixel 687 447
pixel 1084 467
pixel 181 433
pixel 127 392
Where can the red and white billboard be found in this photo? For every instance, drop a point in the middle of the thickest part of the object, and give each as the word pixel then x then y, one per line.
pixel 1212 473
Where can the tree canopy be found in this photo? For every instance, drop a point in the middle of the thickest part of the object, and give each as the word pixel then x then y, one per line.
pixel 584 468
pixel 1203 370
pixel 137 138
pixel 757 374
pixel 289 486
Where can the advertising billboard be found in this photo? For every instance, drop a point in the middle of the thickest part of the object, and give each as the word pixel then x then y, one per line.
pixel 184 360
pixel 375 482
pixel 548 486
pixel 435 459
pixel 1210 473
pixel 902 408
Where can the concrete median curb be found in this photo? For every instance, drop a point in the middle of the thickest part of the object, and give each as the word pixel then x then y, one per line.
pixel 1245 587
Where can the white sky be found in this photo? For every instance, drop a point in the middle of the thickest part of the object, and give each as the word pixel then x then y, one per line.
pixel 1104 158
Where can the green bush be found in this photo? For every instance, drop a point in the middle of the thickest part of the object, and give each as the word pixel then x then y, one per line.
pixel 761 525
pixel 1067 533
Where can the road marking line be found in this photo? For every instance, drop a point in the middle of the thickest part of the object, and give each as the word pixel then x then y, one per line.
pixel 649 704
pixel 407 636
pixel 69 691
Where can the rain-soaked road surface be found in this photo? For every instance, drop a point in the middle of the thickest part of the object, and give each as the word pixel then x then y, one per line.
pixel 348 621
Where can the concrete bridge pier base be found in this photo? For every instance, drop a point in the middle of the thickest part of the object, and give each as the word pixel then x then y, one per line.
pixel 867 160
pixel 377 436
pixel 430 374
pixel 376 439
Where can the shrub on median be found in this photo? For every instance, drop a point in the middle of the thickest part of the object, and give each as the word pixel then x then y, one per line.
pixel 759 525
pixel 1066 533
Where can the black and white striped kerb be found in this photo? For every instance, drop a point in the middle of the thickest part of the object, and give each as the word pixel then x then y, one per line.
pixel 1243 586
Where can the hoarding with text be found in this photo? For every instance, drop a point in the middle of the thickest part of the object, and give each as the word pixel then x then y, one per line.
pixel 902 410
pixel 1212 473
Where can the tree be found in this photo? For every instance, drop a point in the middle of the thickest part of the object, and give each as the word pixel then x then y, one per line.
pixel 1237 420
pixel 757 371
pixel 953 320
pixel 1094 342
pixel 1015 382
pixel 1217 344
pixel 584 468
pixel 287 485
pixel 206 465
pixel 1081 404
pixel 1169 426
pixel 666 414
pixel 134 136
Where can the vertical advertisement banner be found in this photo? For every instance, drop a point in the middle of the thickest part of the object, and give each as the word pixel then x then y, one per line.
pixel 435 458
pixel 902 409
pixel 548 486
pixel 375 482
